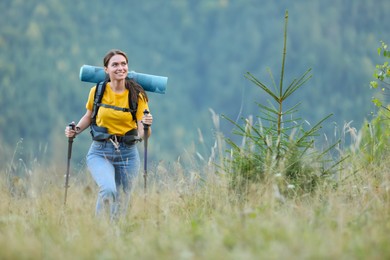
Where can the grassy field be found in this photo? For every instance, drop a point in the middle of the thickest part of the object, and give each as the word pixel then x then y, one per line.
pixel 193 215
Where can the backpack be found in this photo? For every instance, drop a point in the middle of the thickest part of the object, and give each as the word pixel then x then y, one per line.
pixel 100 133
pixel 100 87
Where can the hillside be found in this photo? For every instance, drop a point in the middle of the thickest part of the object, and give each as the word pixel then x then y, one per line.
pixel 203 47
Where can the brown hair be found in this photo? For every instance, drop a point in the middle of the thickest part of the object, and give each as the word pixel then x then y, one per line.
pixel 130 84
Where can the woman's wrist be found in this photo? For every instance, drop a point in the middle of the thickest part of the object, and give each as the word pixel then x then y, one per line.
pixel 77 130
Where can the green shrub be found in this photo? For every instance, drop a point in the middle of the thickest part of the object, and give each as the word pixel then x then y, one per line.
pixel 375 134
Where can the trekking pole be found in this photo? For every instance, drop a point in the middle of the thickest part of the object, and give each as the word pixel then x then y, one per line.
pixel 70 142
pixel 146 131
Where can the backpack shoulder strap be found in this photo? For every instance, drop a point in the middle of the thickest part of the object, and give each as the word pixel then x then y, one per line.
pixel 133 105
pixel 100 87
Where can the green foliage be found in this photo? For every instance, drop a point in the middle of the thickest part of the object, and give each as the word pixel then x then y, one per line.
pixel 282 147
pixel 382 78
pixel 374 144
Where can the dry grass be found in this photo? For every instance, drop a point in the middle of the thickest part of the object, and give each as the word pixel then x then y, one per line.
pixel 192 215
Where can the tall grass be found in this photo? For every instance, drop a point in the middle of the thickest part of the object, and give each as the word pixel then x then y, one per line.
pixel 189 212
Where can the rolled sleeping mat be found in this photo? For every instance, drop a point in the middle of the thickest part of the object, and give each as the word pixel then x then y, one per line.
pixel 151 83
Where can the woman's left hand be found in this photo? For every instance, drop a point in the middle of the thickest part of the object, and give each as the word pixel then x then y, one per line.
pixel 147 119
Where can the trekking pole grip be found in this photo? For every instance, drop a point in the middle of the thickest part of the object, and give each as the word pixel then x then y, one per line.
pixel 72 126
pixel 146 126
pixel 146 112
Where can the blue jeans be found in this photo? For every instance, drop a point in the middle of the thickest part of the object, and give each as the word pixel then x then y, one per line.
pixel 114 171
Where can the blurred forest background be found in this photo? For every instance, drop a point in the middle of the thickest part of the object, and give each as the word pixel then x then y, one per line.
pixel 204 47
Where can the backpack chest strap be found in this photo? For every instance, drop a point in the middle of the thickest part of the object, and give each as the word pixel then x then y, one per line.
pixel 114 107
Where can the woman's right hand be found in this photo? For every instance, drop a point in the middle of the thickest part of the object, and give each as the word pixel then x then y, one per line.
pixel 69 131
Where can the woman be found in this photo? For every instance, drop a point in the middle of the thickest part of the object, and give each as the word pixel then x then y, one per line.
pixel 113 158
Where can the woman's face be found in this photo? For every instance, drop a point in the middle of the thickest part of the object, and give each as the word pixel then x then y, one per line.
pixel 117 68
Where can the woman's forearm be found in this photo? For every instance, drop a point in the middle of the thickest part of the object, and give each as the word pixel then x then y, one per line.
pixel 84 122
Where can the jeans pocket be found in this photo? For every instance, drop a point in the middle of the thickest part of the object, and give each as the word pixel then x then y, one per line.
pixel 98 145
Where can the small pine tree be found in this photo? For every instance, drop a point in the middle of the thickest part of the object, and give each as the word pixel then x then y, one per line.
pixel 277 145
